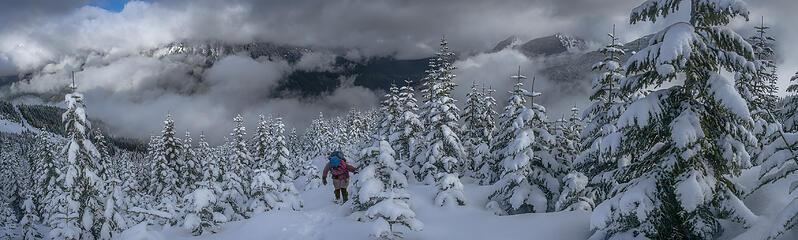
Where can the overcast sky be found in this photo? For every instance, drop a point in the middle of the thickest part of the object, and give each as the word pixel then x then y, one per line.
pixel 38 34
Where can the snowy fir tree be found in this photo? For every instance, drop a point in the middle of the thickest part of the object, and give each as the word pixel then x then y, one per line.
pixel 390 112
pixel 29 221
pixel 115 210
pixel 442 148
pixel 165 152
pixel 485 166
pixel 574 195
pixel 410 130
pixel 789 111
pixel 283 173
pixel 317 137
pixel 692 136
pixel 530 177
pixel 473 128
pixel 192 173
pixel 381 195
pixel 79 208
pixel 600 138
pixel 202 216
pixel 46 172
pixel 261 140
pixel 780 162
pixel 234 194
pixel 759 88
pixel 104 165
pixel 9 227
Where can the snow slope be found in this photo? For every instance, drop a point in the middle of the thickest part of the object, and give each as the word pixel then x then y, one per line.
pixel 322 219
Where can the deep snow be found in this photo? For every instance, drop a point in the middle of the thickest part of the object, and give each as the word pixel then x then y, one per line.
pixel 323 219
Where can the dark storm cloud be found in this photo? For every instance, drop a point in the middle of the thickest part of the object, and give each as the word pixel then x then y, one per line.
pixel 133 92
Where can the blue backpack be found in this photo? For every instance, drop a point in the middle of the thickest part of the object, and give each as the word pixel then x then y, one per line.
pixel 335 162
pixel 335 159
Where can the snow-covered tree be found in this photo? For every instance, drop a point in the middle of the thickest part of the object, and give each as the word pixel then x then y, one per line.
pixel 692 136
pixel 530 176
pixel 193 167
pixel 574 195
pixel 105 166
pixel 472 128
pixel 789 111
pixel 317 138
pixel 600 137
pixel 485 166
pixel 79 208
pixel 29 221
pixel 382 197
pixel 165 152
pixel 780 162
pixel 442 150
pixel 202 216
pixel 8 222
pixel 759 88
pixel 234 194
pixel 114 215
pixel 46 172
pixel 390 112
pixel 262 140
pixel 410 131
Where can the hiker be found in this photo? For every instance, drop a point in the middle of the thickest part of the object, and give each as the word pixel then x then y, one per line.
pixel 340 174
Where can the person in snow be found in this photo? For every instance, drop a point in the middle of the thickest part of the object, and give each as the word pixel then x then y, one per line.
pixel 340 174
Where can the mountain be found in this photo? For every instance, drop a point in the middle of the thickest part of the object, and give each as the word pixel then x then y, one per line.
pixel 544 46
pixel 23 119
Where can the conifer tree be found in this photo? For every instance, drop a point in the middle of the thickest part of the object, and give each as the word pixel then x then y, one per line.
pixel 46 172
pixel 79 208
pixel 692 136
pixel 115 220
pixel 382 197
pixel 442 151
pixel 574 195
pixel 530 176
pixel 29 220
pixel 193 168
pixel 234 196
pixel 410 131
pixel 600 137
pixel 472 128
pixel 165 152
pixel 759 89
pixel 202 216
pixel 485 166
pixel 262 137
pixel 390 111
pixel 789 111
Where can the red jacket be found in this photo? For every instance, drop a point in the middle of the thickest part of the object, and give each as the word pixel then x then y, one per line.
pixel 340 172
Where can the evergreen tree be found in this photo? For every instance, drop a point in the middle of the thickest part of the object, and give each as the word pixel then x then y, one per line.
pixel 115 209
pixel 79 208
pixel 390 112
pixel 193 170
pixel 530 176
pixel 692 136
pixel 485 166
pixel 382 197
pixel 574 195
pixel 234 196
pixel 46 172
pixel 410 131
pixel 600 137
pixel 8 222
pixel 105 166
pixel 165 152
pixel 789 111
pixel 759 89
pixel 202 216
pixel 261 140
pixel 29 221
pixel 472 128
pixel 442 149
pixel 779 160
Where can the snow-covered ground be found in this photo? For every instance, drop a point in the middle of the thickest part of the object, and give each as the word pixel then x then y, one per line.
pixel 323 219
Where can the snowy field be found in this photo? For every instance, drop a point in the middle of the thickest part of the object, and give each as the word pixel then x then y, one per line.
pixel 323 219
